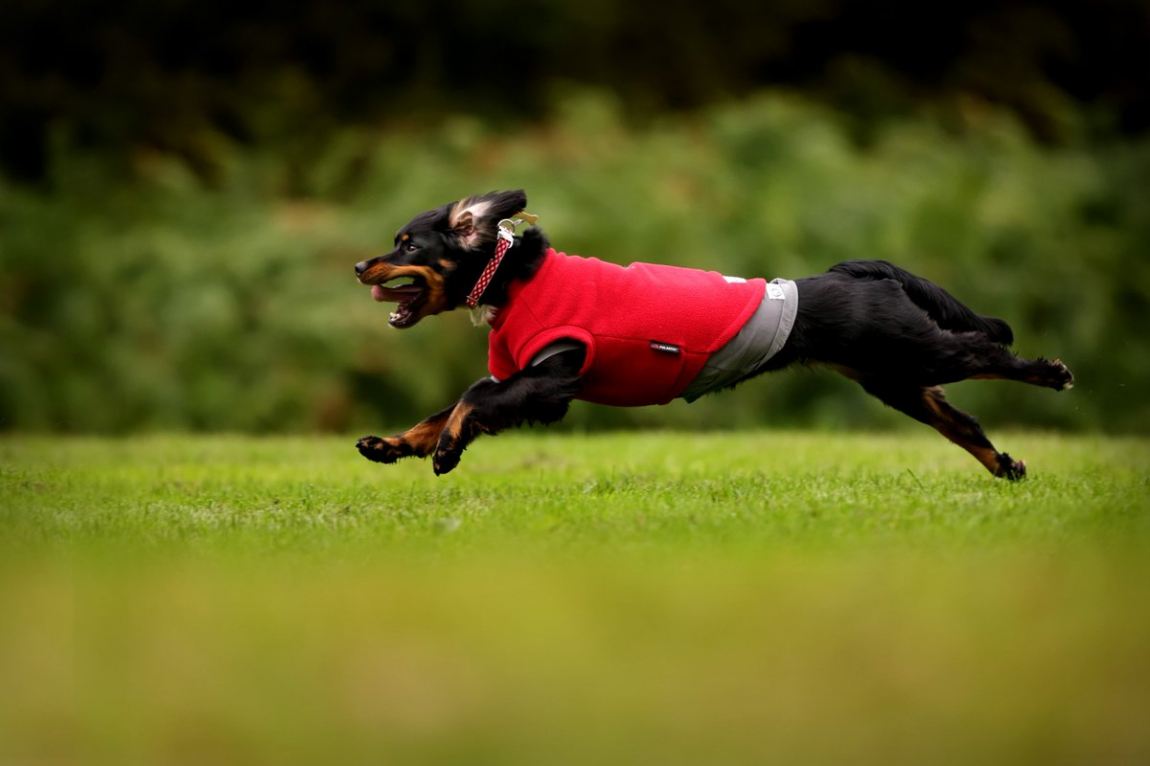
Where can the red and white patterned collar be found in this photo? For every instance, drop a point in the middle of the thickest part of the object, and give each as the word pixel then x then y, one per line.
pixel 505 238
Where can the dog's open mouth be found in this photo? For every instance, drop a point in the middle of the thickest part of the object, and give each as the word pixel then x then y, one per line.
pixel 408 291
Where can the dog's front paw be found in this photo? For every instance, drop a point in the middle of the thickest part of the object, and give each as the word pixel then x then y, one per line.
pixel 453 439
pixel 383 450
pixel 447 454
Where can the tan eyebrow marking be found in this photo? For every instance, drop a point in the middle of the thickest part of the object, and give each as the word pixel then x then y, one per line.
pixel 404 237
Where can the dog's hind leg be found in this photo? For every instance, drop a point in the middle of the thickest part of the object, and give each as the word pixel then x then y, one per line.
pixel 947 357
pixel 1048 373
pixel 929 406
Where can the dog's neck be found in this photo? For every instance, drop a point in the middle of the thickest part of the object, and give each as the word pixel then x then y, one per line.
pixel 520 263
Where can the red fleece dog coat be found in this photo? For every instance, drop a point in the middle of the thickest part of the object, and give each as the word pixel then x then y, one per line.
pixel 648 329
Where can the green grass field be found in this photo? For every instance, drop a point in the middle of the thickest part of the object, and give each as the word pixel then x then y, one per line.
pixel 640 598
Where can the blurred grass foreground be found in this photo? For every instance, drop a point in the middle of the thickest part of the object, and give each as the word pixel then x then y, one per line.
pixel 165 299
pixel 780 597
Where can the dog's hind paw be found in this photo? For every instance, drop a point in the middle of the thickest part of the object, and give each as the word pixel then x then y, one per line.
pixel 1063 377
pixel 1052 373
pixel 1009 468
pixel 382 450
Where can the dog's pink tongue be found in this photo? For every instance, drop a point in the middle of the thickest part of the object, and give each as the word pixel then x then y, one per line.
pixel 377 293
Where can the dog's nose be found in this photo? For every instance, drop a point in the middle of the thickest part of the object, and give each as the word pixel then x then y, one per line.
pixel 360 267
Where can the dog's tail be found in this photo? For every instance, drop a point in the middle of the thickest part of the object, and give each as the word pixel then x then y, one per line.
pixel 947 312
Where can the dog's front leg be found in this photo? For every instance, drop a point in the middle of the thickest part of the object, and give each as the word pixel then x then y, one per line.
pixel 539 394
pixel 418 441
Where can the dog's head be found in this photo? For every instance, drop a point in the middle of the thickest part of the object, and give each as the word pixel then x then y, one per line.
pixel 438 256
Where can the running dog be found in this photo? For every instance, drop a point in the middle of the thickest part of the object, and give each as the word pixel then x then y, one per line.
pixel 565 327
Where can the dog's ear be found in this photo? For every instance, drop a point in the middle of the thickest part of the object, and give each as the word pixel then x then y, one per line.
pixel 473 220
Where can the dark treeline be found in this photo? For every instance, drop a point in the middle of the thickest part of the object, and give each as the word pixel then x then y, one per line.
pixel 171 74
pixel 186 184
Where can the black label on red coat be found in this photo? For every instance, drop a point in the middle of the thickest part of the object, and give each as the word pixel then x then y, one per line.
pixel 665 348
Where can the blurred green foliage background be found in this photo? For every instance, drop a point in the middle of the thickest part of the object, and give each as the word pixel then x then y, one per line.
pixel 184 189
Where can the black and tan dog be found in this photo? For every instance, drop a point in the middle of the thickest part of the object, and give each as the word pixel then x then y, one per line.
pixel 570 328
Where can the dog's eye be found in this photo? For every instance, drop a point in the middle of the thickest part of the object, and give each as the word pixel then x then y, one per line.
pixel 410 246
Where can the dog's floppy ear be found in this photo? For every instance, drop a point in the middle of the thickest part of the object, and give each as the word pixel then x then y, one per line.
pixel 473 220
